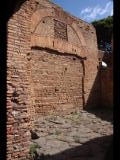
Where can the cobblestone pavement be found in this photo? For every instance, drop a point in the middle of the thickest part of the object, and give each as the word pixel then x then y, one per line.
pixel 78 136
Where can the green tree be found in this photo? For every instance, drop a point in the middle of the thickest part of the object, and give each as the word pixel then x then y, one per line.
pixel 104 29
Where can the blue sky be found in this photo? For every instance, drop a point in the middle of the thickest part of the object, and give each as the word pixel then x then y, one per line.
pixel 88 10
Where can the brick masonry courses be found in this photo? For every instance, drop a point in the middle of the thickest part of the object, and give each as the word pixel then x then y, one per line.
pixel 51 68
pixel 57 82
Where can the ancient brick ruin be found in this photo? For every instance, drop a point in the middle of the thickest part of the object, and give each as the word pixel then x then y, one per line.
pixel 106 79
pixel 52 68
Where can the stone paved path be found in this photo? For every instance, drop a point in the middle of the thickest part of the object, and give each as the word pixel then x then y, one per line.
pixel 78 136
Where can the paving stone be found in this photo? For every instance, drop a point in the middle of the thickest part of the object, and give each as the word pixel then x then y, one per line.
pixel 55 146
pixel 67 139
pixel 41 141
pixel 73 137
pixel 50 137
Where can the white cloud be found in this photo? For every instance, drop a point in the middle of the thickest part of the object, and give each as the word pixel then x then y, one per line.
pixel 90 13
pixel 107 8
pixel 86 10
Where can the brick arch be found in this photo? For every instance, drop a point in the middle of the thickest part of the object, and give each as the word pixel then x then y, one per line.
pixel 75 33
pixel 54 18
pixel 40 14
pixel 76 28
pixel 42 19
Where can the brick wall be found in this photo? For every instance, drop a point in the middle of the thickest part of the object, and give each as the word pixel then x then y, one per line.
pixel 41 81
pixel 18 86
pixel 77 38
pixel 57 82
pixel 45 27
pixel 72 36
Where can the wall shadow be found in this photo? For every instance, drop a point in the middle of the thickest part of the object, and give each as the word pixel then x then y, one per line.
pixel 95 149
pixel 95 102
pixel 94 99
pixel 7 10
pixel 103 113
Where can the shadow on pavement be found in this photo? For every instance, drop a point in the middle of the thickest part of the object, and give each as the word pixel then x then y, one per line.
pixel 103 113
pixel 95 149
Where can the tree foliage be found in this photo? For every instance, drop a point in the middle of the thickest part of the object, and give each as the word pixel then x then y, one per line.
pixel 104 29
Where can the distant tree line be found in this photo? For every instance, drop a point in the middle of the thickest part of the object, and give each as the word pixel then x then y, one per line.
pixel 104 31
